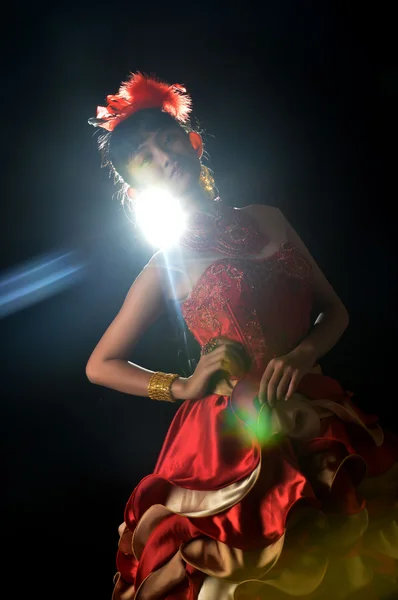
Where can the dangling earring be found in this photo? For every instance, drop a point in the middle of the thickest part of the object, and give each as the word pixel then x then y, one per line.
pixel 207 182
pixel 130 192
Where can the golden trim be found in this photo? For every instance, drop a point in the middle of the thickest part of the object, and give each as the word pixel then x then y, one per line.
pixel 148 510
pixel 267 567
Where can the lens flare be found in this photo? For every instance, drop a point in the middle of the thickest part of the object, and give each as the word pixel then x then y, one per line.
pixel 38 279
pixel 160 217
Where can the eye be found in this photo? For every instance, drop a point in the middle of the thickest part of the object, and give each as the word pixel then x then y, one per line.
pixel 169 139
pixel 146 160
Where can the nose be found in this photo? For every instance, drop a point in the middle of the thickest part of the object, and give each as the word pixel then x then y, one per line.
pixel 163 158
pixel 165 161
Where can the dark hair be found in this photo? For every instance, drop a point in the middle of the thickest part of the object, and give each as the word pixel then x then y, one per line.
pixel 117 146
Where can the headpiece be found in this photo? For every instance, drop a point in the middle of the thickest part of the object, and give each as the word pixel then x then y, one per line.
pixel 140 92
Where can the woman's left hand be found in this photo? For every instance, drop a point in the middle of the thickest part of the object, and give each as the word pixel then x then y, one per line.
pixel 283 374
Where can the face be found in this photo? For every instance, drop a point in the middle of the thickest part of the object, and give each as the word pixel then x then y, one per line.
pixel 168 158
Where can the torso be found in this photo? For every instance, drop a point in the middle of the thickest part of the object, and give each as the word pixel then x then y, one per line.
pixel 185 266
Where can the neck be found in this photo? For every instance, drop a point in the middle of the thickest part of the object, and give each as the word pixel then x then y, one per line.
pixel 197 201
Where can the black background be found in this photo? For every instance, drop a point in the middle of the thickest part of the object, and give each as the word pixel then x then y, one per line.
pixel 298 100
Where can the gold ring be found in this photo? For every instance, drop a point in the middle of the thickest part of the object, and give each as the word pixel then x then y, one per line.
pixel 210 346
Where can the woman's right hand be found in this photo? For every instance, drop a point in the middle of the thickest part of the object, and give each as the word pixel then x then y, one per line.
pixel 226 359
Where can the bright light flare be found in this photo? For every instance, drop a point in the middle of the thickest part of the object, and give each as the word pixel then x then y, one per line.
pixel 160 217
pixel 38 279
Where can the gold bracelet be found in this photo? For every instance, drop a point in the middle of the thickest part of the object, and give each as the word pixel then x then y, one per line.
pixel 159 387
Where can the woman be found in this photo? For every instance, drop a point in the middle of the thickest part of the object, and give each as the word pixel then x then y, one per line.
pixel 271 483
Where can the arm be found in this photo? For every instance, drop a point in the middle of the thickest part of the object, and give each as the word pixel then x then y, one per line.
pixel 283 374
pixel 108 365
pixel 332 319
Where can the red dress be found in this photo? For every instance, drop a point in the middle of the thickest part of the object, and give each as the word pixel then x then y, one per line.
pixel 299 501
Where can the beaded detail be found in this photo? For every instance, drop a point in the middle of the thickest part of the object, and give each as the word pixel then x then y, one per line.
pixel 231 231
pixel 251 300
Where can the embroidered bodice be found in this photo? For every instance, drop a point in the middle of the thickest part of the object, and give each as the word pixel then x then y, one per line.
pixel 265 304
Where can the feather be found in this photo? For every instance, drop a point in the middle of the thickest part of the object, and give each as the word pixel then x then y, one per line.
pixel 139 92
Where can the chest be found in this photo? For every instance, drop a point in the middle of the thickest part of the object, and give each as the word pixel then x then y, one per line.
pixel 186 267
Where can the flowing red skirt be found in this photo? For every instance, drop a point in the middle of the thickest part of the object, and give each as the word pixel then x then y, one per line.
pixel 272 515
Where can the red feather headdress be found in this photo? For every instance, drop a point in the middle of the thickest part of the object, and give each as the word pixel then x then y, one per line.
pixel 139 92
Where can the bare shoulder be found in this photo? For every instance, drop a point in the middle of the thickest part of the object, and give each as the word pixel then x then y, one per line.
pixel 261 209
pixel 157 261
pixel 168 271
pixel 270 220
pixel 150 279
pixel 155 269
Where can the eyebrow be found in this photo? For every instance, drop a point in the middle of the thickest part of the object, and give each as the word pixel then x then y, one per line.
pixel 143 144
pixel 137 150
pixel 156 134
pixel 139 147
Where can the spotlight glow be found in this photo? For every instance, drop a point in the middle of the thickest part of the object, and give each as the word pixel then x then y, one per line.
pixel 160 217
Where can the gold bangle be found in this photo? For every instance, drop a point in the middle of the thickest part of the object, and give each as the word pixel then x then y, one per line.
pixel 159 386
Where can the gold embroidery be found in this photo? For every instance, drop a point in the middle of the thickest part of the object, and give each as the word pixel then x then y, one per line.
pixel 254 335
pixel 213 308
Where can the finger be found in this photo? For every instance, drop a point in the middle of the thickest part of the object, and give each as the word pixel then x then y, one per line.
pixel 261 396
pixel 224 340
pixel 230 359
pixel 215 355
pixel 273 385
pixel 222 365
pixel 262 392
pixel 213 368
pixel 219 350
pixel 283 385
pixel 295 380
pixel 223 353
pixel 234 358
pixel 238 362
